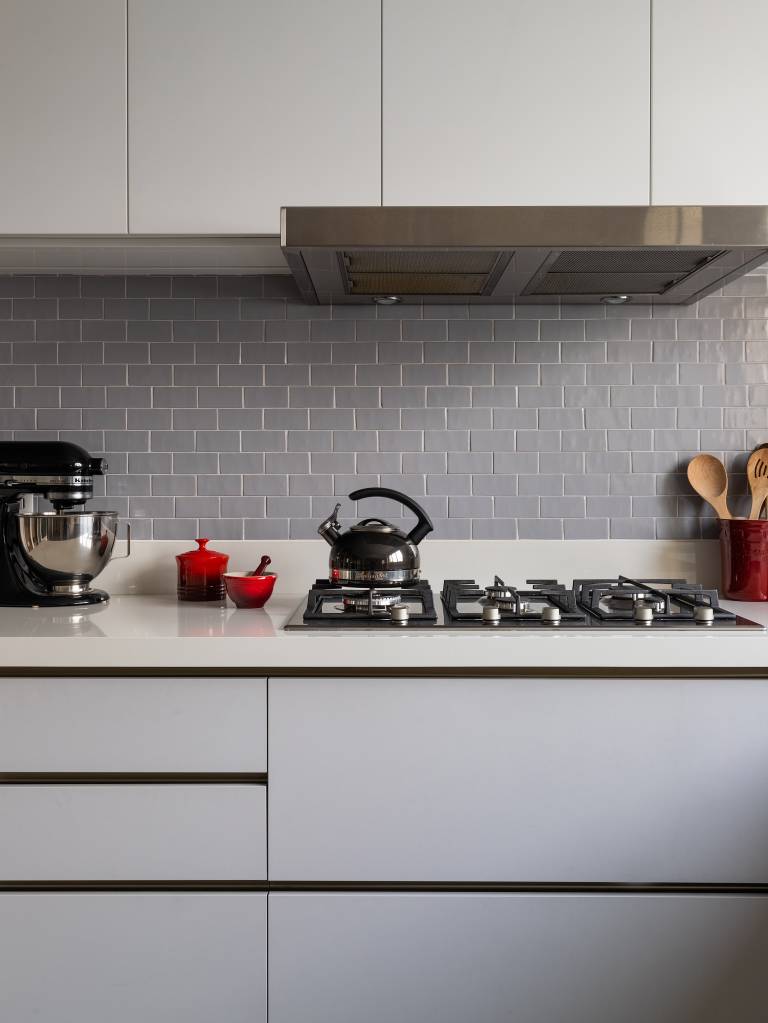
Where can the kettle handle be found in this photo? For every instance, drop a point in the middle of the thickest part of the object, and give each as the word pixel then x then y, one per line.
pixel 422 527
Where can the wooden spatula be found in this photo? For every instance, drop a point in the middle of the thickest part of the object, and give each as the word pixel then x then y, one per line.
pixel 757 475
pixel 708 477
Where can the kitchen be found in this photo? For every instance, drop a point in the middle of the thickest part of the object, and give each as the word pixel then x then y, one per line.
pixel 466 288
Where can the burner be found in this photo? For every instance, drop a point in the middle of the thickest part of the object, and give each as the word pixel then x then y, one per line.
pixel 368 601
pixel 380 607
pixel 647 601
pixel 547 604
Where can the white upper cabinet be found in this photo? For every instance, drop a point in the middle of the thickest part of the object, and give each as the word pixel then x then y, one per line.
pixel 62 117
pixel 240 107
pixel 506 102
pixel 710 91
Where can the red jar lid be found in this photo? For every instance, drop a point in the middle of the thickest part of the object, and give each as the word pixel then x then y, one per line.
pixel 202 556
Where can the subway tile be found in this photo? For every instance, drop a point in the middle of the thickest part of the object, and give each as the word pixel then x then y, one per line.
pixel 140 286
pixel 494 529
pixel 467 461
pixel 511 375
pixel 423 418
pixel 373 376
pixel 205 462
pixel 491 397
pixel 193 287
pixel 324 375
pixel 586 529
pixel 515 419
pixel 147 330
pixel 469 418
pixel 413 462
pixel 222 529
pixel 58 330
pixel 608 373
pixel 376 462
pixel 286 418
pixel 195 330
pixel 17 330
pixel 424 376
pixel 540 529
pixel 17 286
pixel 425 330
pixel 469 375
pixel 190 376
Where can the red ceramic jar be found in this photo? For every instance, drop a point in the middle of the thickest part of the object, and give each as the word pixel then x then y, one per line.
pixel 744 558
pixel 201 574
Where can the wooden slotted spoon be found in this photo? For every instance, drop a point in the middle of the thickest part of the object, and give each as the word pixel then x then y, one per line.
pixel 757 475
pixel 708 477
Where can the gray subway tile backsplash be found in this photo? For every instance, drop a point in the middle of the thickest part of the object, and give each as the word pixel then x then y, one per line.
pixel 226 407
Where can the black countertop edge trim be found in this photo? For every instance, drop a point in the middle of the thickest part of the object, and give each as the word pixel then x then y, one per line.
pixel 132 778
pixel 387 887
pixel 532 887
pixel 132 886
pixel 367 671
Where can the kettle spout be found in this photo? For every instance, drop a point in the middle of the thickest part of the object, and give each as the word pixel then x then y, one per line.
pixel 330 529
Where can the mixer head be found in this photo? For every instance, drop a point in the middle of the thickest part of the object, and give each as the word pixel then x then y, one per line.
pixel 57 470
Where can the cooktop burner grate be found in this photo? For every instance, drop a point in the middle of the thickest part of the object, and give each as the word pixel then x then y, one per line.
pixel 342 606
pixel 667 600
pixel 547 602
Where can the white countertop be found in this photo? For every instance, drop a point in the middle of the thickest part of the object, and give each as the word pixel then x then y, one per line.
pixel 141 632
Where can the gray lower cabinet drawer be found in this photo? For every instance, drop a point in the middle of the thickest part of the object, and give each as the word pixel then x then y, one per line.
pixel 133 958
pixel 133 724
pixel 525 958
pixel 518 780
pixel 133 832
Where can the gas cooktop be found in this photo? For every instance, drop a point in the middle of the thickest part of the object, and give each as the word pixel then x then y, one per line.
pixel 611 604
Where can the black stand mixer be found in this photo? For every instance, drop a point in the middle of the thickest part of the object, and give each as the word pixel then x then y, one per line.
pixel 48 559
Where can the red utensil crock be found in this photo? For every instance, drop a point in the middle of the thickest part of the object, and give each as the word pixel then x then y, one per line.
pixel 744 558
pixel 201 573
pixel 249 590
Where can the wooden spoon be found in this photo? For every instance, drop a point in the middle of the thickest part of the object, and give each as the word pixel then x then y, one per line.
pixel 708 477
pixel 757 475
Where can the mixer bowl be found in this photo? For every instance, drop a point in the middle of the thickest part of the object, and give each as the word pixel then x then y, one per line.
pixel 66 550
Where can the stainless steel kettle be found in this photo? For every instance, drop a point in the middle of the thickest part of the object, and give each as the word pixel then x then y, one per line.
pixel 375 552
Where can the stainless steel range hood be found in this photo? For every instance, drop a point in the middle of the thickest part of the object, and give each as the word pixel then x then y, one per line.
pixel 497 254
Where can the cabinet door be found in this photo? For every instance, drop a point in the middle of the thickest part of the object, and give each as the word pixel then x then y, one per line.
pixel 506 102
pixel 153 958
pixel 527 958
pixel 710 90
pixel 518 780
pixel 238 107
pixel 62 117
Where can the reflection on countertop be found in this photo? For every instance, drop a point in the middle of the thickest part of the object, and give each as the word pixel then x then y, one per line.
pixel 157 632
pixel 153 617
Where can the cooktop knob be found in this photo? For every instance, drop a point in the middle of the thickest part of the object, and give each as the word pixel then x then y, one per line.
pixel 703 613
pixel 399 612
pixel 643 613
pixel 491 614
pixel 550 615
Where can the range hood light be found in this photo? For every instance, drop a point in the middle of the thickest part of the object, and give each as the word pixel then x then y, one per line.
pixel 614 299
pixel 386 299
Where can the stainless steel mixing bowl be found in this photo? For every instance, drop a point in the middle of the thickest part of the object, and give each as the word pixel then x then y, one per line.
pixel 66 550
